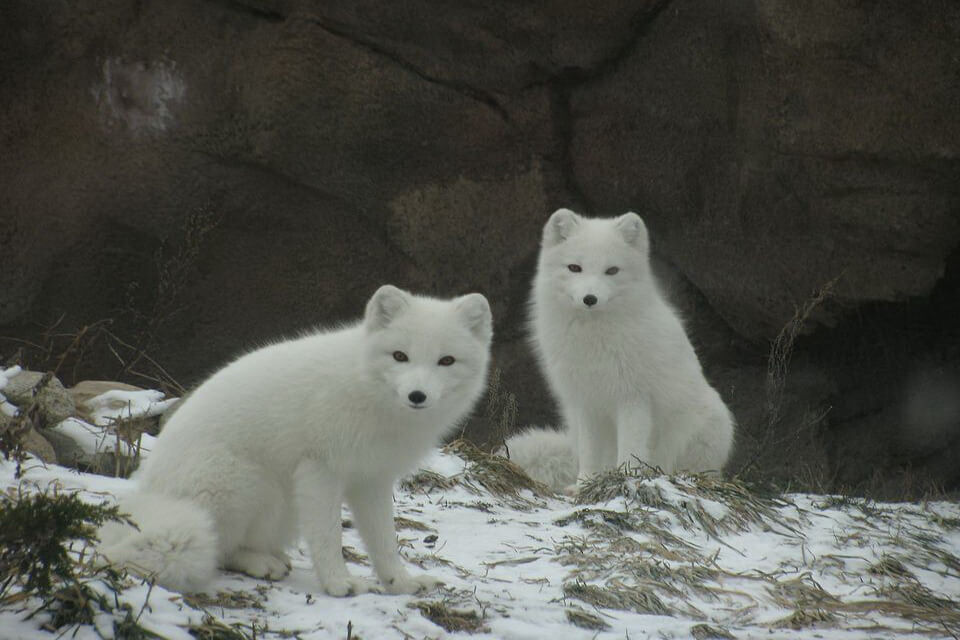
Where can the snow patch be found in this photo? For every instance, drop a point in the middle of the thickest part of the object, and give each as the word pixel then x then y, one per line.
pixel 110 406
pixel 93 439
pixel 6 408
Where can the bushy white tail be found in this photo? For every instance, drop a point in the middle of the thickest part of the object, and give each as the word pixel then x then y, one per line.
pixel 176 544
pixel 546 455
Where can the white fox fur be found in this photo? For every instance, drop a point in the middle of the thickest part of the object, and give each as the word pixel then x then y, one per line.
pixel 546 455
pixel 291 431
pixel 616 357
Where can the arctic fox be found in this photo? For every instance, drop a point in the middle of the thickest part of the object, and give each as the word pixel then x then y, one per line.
pixel 617 359
pixel 287 433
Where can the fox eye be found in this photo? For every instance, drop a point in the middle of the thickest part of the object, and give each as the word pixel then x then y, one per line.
pixel 400 356
pixel 575 268
pixel 612 271
pixel 446 361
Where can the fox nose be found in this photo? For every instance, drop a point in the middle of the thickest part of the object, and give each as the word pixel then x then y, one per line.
pixel 589 299
pixel 417 397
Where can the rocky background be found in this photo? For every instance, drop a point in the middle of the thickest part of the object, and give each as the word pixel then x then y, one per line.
pixel 181 180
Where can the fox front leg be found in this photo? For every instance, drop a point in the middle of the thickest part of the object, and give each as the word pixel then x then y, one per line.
pixel 372 507
pixel 319 496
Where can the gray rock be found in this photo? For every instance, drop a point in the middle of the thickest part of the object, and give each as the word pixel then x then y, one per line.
pixel 55 403
pixel 35 443
pixel 5 422
pixel 328 147
pixel 19 389
pixel 87 389
pixel 31 440
pixel 106 463
pixel 68 452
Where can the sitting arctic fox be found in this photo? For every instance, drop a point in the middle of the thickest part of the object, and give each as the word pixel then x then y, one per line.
pixel 617 359
pixel 286 433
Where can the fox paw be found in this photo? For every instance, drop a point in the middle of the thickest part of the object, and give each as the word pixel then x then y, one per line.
pixel 348 586
pixel 407 584
pixel 259 565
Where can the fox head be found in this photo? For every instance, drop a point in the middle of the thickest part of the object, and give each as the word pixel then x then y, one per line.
pixel 592 263
pixel 430 354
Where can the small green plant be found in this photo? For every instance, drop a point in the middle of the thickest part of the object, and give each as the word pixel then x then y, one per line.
pixel 36 532
pixel 39 533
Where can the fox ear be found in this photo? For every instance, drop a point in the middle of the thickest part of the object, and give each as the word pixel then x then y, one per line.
pixel 559 227
pixel 474 311
pixel 633 231
pixel 385 305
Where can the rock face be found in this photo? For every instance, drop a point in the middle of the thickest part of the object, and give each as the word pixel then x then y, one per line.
pixel 197 177
pixel 782 147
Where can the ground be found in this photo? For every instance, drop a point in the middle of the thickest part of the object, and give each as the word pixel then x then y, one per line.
pixel 638 555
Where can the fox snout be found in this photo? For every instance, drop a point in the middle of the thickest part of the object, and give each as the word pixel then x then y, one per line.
pixel 588 297
pixel 419 389
pixel 417 398
pixel 586 291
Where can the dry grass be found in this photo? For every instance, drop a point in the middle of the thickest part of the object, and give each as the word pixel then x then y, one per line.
pixel 803 618
pixel 633 555
pixel 451 620
pixel 500 412
pixel 353 556
pixel 485 473
pixel 129 432
pixel 229 599
pixel 772 439
pixel 617 595
pixel 703 501
pixel 425 481
pixel 497 475
pixel 212 629
pixel 406 523
pixel 706 632
pixel 579 617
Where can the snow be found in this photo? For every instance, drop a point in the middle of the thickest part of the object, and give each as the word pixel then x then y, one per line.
pixel 94 438
pixel 119 404
pixel 5 375
pixel 508 560
pixel 106 410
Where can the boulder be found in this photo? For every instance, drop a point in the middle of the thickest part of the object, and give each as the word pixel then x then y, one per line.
pixel 261 167
pixel 31 440
pixel 54 402
pixel 36 444
pixel 777 149
pixel 68 452
pixel 87 389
